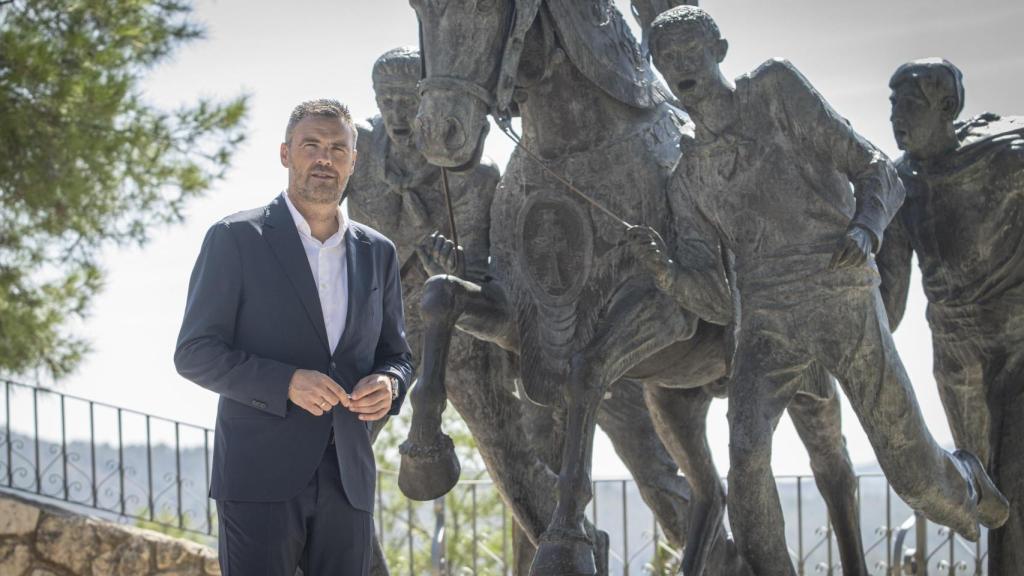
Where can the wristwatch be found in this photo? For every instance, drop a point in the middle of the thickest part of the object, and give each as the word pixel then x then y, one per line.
pixel 393 380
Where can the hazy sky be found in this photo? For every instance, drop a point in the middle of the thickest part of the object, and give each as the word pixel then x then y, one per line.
pixel 284 52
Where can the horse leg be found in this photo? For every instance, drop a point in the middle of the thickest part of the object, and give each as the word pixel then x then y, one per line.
pixel 632 330
pixel 625 418
pixel 544 428
pixel 817 419
pixel 565 549
pixel 429 467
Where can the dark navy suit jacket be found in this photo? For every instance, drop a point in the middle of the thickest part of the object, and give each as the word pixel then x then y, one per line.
pixel 252 318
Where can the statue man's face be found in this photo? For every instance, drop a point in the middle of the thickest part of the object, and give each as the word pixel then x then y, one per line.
pixel 918 124
pixel 688 59
pixel 398 106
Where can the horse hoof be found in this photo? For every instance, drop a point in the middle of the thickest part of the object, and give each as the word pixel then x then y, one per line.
pixel 428 471
pixel 563 555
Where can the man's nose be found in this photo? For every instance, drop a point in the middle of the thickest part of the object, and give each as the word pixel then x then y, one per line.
pixel 323 157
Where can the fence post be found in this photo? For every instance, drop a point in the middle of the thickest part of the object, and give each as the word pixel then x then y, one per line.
pixel 438 563
pixel 921 551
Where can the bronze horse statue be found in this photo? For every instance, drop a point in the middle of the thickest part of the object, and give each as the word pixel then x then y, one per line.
pixel 564 292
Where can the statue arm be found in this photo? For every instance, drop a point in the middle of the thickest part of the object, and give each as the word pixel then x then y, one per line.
pixel 894 262
pixel 877 188
pixel 472 208
pixel 699 282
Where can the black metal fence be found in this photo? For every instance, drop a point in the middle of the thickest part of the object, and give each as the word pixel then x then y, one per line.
pixel 138 468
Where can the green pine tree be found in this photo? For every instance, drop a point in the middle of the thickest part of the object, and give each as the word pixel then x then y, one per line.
pixel 85 162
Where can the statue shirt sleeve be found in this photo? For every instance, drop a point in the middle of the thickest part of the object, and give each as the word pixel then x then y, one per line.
pixel 696 247
pixel 877 188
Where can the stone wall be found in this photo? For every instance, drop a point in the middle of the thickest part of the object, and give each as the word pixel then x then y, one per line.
pixel 40 540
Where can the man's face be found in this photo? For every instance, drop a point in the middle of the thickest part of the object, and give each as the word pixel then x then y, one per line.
pixel 916 121
pixel 320 158
pixel 687 58
pixel 398 107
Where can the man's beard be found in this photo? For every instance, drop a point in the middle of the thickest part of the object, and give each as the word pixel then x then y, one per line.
pixel 319 192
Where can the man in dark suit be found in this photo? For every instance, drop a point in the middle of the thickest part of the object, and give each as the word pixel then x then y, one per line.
pixel 294 316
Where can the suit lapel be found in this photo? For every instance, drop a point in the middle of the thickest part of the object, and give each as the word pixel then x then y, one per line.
pixel 284 241
pixel 359 264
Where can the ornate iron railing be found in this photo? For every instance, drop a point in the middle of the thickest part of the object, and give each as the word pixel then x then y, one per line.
pixel 138 468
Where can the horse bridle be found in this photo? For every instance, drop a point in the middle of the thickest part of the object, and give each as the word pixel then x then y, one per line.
pixel 498 102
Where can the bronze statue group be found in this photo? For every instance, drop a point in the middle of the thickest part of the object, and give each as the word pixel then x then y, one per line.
pixel 760 251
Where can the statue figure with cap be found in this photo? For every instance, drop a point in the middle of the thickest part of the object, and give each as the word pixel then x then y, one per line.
pixel 964 218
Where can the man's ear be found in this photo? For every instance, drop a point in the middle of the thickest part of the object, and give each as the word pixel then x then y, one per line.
pixel 284 154
pixel 721 49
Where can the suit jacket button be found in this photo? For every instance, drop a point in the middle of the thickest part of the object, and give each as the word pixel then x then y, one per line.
pixel 334 365
pixel 259 404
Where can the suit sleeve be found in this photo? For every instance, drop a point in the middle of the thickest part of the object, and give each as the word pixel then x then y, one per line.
pixel 206 352
pixel 392 355
pixel 878 190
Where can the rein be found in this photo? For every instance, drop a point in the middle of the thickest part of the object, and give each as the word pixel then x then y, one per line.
pixel 505 124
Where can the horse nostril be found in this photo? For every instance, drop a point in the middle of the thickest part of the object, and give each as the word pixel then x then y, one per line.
pixel 454 135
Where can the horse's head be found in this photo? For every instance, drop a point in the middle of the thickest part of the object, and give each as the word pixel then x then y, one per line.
pixel 462 45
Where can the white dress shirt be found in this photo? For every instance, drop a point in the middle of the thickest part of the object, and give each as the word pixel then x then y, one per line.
pixel 330 271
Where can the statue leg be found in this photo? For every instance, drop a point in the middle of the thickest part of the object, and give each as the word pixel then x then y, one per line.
pixel 625 418
pixel 765 379
pixel 680 416
pixel 960 367
pixel 1006 462
pixel 950 489
pixel 978 381
pixel 429 467
pixel 817 417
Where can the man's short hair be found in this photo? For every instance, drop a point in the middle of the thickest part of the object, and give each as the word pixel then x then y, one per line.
pixel 323 108
pixel 684 16
pixel 398 67
pixel 937 78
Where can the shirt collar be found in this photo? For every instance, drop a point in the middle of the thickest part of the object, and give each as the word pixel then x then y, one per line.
pixel 303 227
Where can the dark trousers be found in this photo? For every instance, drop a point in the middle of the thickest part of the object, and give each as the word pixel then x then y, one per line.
pixel 317 530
